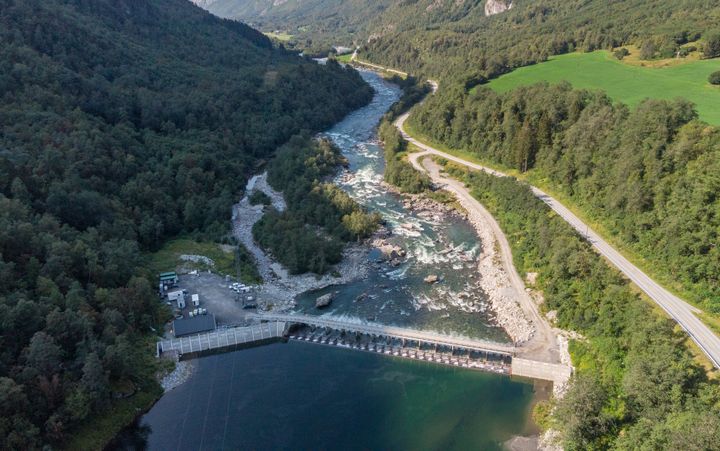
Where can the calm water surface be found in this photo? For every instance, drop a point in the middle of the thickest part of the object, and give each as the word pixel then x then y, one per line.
pixel 299 396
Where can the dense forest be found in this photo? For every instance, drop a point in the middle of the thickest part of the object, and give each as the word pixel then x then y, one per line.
pixel 636 385
pixel 321 218
pixel 122 123
pixel 649 174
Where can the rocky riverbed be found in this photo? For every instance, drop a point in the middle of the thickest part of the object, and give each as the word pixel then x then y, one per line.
pixel 279 287
pixel 492 279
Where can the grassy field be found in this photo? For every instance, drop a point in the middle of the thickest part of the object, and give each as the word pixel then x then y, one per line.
pixel 625 82
pixel 224 257
pixel 344 58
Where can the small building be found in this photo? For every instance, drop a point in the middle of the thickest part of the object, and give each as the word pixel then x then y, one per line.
pixel 178 296
pixel 194 325
pixel 196 300
pixel 167 280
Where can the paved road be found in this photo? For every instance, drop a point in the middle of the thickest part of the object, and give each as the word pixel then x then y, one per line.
pixel 679 310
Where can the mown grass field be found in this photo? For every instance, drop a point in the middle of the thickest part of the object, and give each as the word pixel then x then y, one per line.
pixel 625 83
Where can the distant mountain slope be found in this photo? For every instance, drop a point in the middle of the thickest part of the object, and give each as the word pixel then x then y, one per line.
pixel 451 36
pixel 319 24
pixel 471 46
pixel 122 123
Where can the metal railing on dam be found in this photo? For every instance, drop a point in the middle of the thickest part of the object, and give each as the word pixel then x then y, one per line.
pixel 523 367
pixel 381 330
pixel 222 338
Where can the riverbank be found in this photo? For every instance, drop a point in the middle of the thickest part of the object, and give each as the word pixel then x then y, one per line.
pixel 279 288
pixel 492 279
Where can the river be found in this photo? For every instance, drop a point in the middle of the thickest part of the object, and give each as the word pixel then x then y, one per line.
pixel 299 396
pixel 447 247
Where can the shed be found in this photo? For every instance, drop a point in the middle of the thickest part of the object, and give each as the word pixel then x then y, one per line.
pixel 196 300
pixel 194 325
pixel 169 277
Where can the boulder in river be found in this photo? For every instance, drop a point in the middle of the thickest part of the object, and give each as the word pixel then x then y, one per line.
pixel 392 251
pixel 324 300
pixel 432 278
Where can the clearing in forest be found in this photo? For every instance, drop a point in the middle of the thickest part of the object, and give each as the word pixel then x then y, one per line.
pixel 625 83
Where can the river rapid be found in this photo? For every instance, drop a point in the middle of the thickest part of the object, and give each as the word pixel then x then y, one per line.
pixel 442 245
pixel 300 396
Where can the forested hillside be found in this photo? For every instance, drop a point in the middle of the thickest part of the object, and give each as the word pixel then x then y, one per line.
pixel 471 47
pixel 315 25
pixel 453 38
pixel 122 123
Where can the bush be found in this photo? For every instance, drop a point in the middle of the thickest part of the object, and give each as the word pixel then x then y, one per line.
pixel 258 198
pixel 714 78
pixel 712 46
pixel 621 53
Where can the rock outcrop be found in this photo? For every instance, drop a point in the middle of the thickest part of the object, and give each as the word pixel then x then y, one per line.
pixel 324 300
pixel 493 7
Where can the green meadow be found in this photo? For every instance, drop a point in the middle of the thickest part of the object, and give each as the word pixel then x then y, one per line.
pixel 623 82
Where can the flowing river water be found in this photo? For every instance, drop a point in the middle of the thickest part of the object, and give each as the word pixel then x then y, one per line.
pixel 441 245
pixel 299 396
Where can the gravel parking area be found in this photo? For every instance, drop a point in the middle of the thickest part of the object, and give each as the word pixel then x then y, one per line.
pixel 216 297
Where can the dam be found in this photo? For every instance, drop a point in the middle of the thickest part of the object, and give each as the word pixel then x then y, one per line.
pixel 394 341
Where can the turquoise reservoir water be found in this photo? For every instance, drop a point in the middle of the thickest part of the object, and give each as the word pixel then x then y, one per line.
pixel 299 396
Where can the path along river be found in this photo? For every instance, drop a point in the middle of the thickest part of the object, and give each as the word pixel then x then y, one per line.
pixel 299 396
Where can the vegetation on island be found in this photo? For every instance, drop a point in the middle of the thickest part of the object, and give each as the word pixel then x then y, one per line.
pixel 636 386
pixel 122 125
pixel 398 171
pixel 320 219
pixel 259 198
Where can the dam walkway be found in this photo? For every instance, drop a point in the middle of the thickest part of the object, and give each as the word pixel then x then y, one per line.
pixel 372 337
